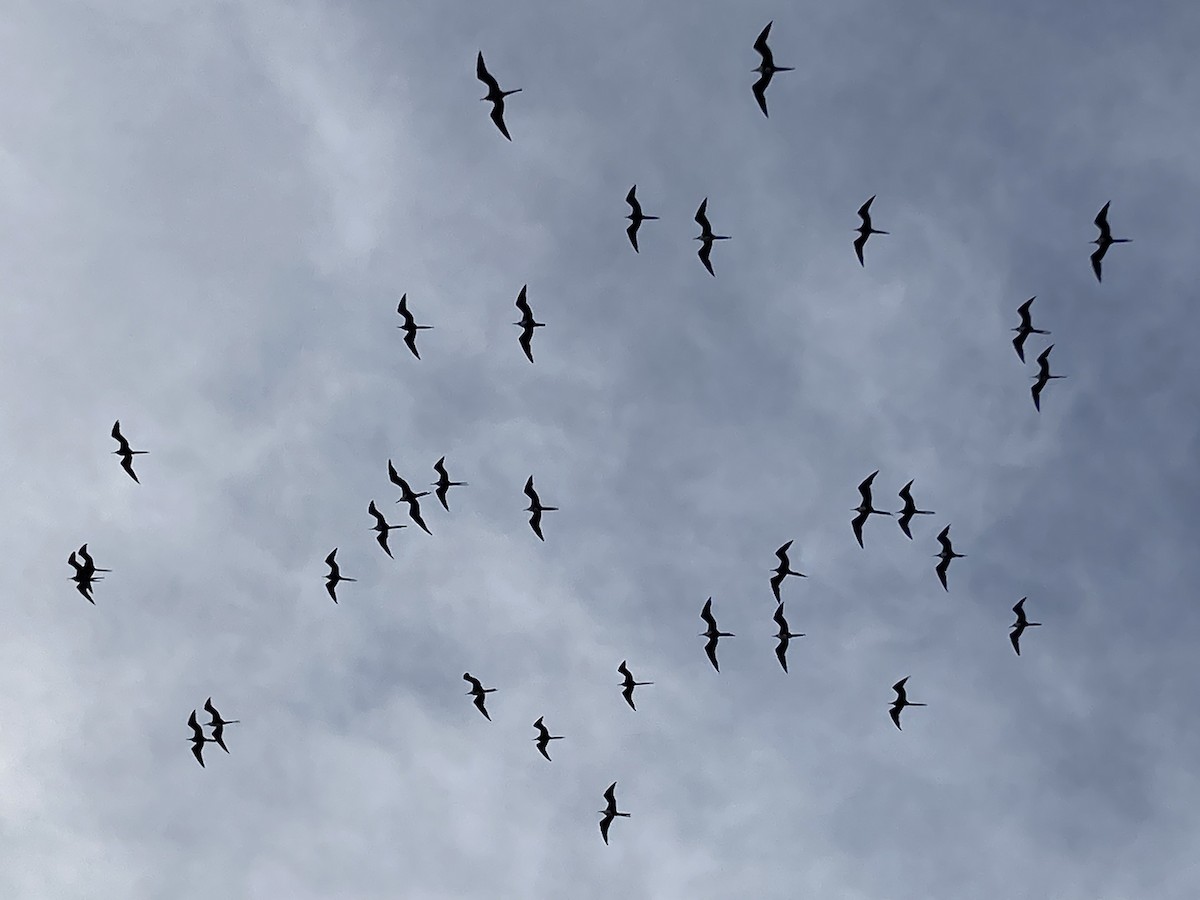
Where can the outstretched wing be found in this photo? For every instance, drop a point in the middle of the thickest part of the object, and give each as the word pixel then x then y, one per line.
pixel 710 647
pixel 760 91
pixel 704 253
pixel 941 572
pixel 525 341
pixel 857 524
pixel 632 231
pixel 484 75
pixel 498 117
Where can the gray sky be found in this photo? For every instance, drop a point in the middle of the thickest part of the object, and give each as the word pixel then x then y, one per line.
pixel 209 211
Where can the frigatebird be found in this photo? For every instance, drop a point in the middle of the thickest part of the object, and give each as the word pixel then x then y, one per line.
pixel 407 495
pixel 198 739
pixel 382 528
pixel 782 570
pixel 910 509
pixel 706 237
pixel 535 508
pixel 443 484
pixel 635 217
pixel 785 636
pixel 629 685
pixel 712 633
pixel 85 572
pixel 865 509
pixel 544 737
pixel 478 691
pixel 410 326
pixel 1105 240
pixel 334 576
pixel 494 94
pixel 218 724
pixel 946 555
pixel 1042 378
pixel 527 323
pixel 89 564
pixel 1019 626
pixel 124 452
pixel 901 700
pixel 766 69
pixel 1025 329
pixel 864 230
pixel 609 812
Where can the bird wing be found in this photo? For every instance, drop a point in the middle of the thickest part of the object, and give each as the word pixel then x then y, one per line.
pixel 702 216
pixel 198 751
pixel 440 468
pixel 941 572
pixel 414 513
pixel 859 243
pixel 331 589
pixel 442 490
pixel 864 489
pixel 707 616
pixel 479 701
pixel 610 796
pixel 1036 391
pixel 116 431
pixel 484 75
pixel 781 652
pixel 634 206
pixel 864 211
pixel 1015 637
pixel 901 693
pixel 373 510
pixel 776 581
pixel 943 538
pixel 604 823
pixel 531 493
pixel 85 588
pixel 760 44
pixel 905 494
pixel 857 524
pixel 402 309
pixel 627 692
pixel 127 465
pixel 1101 221
pixel 895 711
pixel 331 561
pixel 498 117
pixel 710 647
pixel 535 522
pixel 218 731
pixel 1019 344
pixel 476 685
pixel 543 731
pixel 632 231
pixel 704 253
pixel 211 710
pixel 781 555
pixel 1098 255
pixel 760 91
pixel 542 749
pixel 523 303
pixel 525 339
pixel 410 338
pixel 904 520
pixel 1023 312
pixel 394 477
pixel 779 619
pixel 382 540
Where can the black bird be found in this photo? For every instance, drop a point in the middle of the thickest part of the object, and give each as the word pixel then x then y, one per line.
pixel 766 69
pixel 1019 626
pixel 635 217
pixel 218 724
pixel 609 812
pixel 89 564
pixel 910 509
pixel 901 700
pixel 706 237
pixel 334 576
pixel 1042 378
pixel 198 739
pixel 1105 240
pixel 479 692
pixel 864 230
pixel 946 555
pixel 782 570
pixel 630 684
pixel 527 323
pixel 712 633
pixel 83 583
pixel 408 496
pixel 784 636
pixel 443 484
pixel 124 452
pixel 535 508
pixel 544 737
pixel 494 94
pixel 865 509
pixel 1025 329
pixel 410 326
pixel 382 528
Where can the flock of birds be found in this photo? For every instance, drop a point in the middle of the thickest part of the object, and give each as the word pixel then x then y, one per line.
pixel 86 573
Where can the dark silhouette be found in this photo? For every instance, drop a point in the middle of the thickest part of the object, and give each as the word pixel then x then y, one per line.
pixel 1105 240
pixel 901 701
pixel 784 635
pixel 629 684
pixel 410 326
pixel 544 737
pixel 609 812
pixel 706 237
pixel 712 633
pixel 85 572
pixel 864 230
pixel 946 555
pixel 635 217
pixel 382 528
pixel 782 570
pixel 443 484
pixel 124 452
pixel 527 323
pixel 218 724
pixel 1025 329
pixel 408 496
pixel 479 692
pixel 535 508
pixel 334 576
pixel 766 69
pixel 910 509
pixel 198 739
pixel 1019 626
pixel 1042 378
pixel 494 94
pixel 865 509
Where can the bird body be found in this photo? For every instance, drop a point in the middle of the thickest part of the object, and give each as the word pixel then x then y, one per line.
pixel 479 692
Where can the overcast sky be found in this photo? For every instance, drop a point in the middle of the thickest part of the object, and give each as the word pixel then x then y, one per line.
pixel 208 212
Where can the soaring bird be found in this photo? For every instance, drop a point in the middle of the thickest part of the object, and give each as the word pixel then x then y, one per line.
pixel 1105 240
pixel 766 69
pixel 629 684
pixel 535 508
pixel 89 564
pixel 910 509
pixel 706 237
pixel 334 576
pixel 785 636
pixel 712 633
pixel 901 701
pixel 609 812
pixel 946 555
pixel 1042 378
pixel 864 230
pixel 198 739
pixel 124 452
pixel 218 724
pixel 782 570
pixel 1019 626
pixel 494 94
pixel 382 528
pixel 408 496
pixel 635 217
pixel 544 737
pixel 479 692
pixel 1025 329
pixel 865 509
pixel 443 484
pixel 85 572
pixel 410 326
pixel 527 323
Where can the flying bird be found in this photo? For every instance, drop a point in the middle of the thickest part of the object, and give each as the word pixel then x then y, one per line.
pixel 494 94
pixel 198 739
pixel 382 528
pixel 910 509
pixel 635 217
pixel 865 509
pixel 218 724
pixel 1019 626
pixel 1105 240
pixel 785 636
pixel 901 701
pixel 334 576
pixel 410 326
pixel 629 685
pixel 85 572
pixel 527 323
pixel 864 230
pixel 443 484
pixel 706 237
pixel 609 812
pixel 946 555
pixel 782 570
pixel 544 737
pixel 124 452
pixel 1042 378
pixel 535 508
pixel 712 633
pixel 479 692
pixel 766 69
pixel 1025 329
pixel 408 496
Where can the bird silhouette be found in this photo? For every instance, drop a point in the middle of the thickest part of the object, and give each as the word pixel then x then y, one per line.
pixel 1042 378
pixel 527 323
pixel 629 684
pixel 381 528
pixel 494 94
pixel 865 230
pixel 443 484
pixel 407 495
pixel 479 692
pixel 198 739
pixel 766 69
pixel 865 509
pixel 785 636
pixel 1105 240
pixel 782 570
pixel 712 633
pixel 535 508
pixel 901 700
pixel 706 237
pixel 544 737
pixel 85 572
pixel 1019 626
pixel 947 553
pixel 218 724
pixel 334 576
pixel 910 509
pixel 609 812
pixel 410 326
pixel 1025 329
pixel 124 452
pixel 635 217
